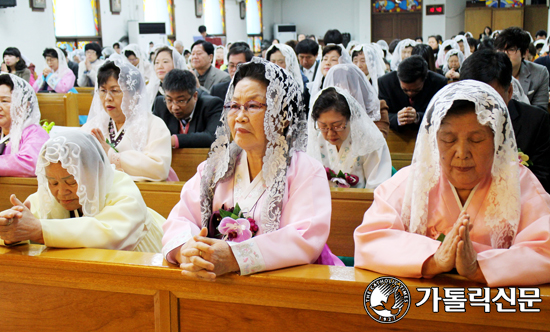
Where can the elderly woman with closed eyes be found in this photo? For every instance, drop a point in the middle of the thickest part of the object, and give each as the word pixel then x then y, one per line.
pixel 257 164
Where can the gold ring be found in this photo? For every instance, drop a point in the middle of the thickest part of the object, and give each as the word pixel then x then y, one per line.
pixel 200 253
pixel 9 223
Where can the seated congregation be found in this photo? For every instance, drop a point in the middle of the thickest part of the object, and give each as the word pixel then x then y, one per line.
pixel 282 131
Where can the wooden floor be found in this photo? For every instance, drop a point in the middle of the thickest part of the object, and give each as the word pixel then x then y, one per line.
pixel 44 289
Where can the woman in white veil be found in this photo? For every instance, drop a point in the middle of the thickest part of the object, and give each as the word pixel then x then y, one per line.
pixel 82 202
pixel 343 137
pixel 136 141
pixel 465 47
pixel 21 136
pixel 453 63
pixel 332 55
pixel 290 61
pixel 373 61
pixel 57 76
pixel 165 59
pixel 136 57
pixel 402 51
pixel 447 45
pixel 478 219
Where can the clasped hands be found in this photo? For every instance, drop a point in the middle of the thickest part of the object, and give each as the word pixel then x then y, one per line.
pixel 19 224
pixel 406 116
pixel 456 251
pixel 205 258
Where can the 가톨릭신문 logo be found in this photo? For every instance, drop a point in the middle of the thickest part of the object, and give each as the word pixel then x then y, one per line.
pixel 387 300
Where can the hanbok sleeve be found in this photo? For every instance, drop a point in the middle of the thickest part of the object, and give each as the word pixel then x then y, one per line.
pixel 63 84
pixel 120 225
pixel 23 163
pixel 184 220
pixel 381 242
pixel 527 261
pixel 304 224
pixel 377 167
pixel 82 78
pixel 153 162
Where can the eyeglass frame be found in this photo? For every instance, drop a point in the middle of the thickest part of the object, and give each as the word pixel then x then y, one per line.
pixel 113 94
pixel 227 107
pixel 177 103
pixel 333 128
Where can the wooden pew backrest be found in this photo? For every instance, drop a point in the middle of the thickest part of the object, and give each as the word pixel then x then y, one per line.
pixel 59 108
pixel 85 90
pixel 84 103
pixel 186 161
pixel 401 142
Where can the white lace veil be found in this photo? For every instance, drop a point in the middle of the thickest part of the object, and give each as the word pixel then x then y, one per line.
pixel 318 82
pixel 62 68
pixel 84 158
pixel 24 110
pixel 291 61
pixel 449 54
pixel 154 83
pixel 503 200
pixel 349 77
pixel 384 45
pixel 134 105
pixel 143 62
pixel 464 41
pixel 396 56
pixel 284 107
pixel 365 136
pixel 441 54
pixel 375 64
pixel 351 46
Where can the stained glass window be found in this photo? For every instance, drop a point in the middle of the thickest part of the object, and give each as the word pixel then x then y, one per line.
pixel 254 17
pixel 75 18
pixel 214 16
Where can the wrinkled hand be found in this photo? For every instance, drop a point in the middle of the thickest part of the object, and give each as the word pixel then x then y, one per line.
pixel 46 71
pixel 192 264
pixel 466 256
pixel 96 132
pixel 19 224
pixel 218 253
pixel 444 258
pixel 406 116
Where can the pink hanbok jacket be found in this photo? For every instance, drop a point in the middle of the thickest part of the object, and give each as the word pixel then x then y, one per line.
pixel 59 85
pixel 23 164
pixel 382 244
pixel 304 224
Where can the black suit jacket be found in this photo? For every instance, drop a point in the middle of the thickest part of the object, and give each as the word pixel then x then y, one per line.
pixel 390 91
pixel 532 130
pixel 220 90
pixel 202 128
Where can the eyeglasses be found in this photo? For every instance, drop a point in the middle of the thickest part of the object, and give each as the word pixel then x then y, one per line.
pixel 336 129
pixel 510 50
pixel 178 103
pixel 251 107
pixel 114 93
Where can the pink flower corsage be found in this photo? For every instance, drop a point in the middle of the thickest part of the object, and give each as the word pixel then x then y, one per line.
pixel 341 180
pixel 235 227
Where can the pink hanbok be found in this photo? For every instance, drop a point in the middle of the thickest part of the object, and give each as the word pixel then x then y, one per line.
pixel 23 163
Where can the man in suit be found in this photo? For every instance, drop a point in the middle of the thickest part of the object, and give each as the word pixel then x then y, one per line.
pixel 237 54
pixel 191 116
pixel 531 124
pixel 533 77
pixel 408 92
pixel 307 51
pixel 202 53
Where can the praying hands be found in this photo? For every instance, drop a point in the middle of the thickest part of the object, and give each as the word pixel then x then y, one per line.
pixel 205 258
pixel 19 224
pixel 456 251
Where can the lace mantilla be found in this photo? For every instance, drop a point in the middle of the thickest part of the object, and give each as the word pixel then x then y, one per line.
pixel 375 64
pixel 503 200
pixel 291 62
pixel 134 105
pixel 396 56
pixel 284 106
pixel 84 158
pixel 449 54
pixel 24 110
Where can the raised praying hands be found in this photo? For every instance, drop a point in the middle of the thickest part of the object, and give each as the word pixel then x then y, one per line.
pixel 456 251
pixel 452 75
pixel 205 258
pixel 406 116
pixel 19 224
pixel 96 132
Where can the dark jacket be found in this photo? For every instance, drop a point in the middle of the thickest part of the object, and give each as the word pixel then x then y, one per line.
pixel 531 128
pixel 202 128
pixel 220 90
pixel 390 91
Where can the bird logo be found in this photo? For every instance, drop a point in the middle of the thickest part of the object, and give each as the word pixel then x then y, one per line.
pixel 387 299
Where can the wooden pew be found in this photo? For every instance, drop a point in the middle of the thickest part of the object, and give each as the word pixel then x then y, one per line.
pixel 85 90
pixel 186 161
pixel 401 142
pixel 348 206
pixel 59 108
pixel 84 102
pixel 61 290
pixel 401 159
